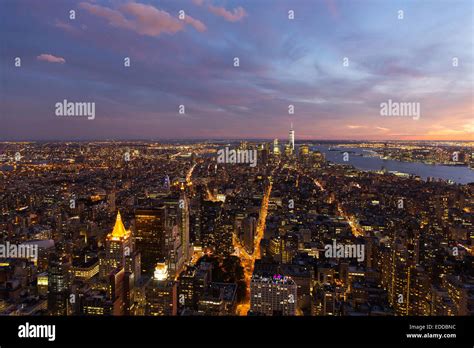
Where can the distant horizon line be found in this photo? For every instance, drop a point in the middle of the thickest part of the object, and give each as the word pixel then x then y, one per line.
pixel 225 139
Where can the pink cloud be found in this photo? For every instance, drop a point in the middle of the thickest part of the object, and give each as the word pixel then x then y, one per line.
pixel 143 19
pixel 232 16
pixel 50 58
pixel 356 126
pixel 65 26
pixel 69 28
pixel 198 2
pixel 197 24
pixel 151 21
pixel 114 17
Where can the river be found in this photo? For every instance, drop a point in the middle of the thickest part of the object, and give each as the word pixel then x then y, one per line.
pixel 458 174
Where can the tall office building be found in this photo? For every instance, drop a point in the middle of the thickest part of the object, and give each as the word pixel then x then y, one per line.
pixel 118 247
pixel 274 248
pixel 184 228
pixel 174 252
pixel 161 293
pixel 249 229
pixel 419 292
pixel 211 212
pixel 264 151
pixel 186 293
pixel 150 236
pixel 304 150
pixel 273 294
pixel 397 265
pixel 291 138
pixel 96 303
pixel 58 285
pixel 178 214
pixel 116 291
pixel 460 293
pixel 324 300
pixel 289 247
pixel 42 283
pixel 276 147
pixel 440 302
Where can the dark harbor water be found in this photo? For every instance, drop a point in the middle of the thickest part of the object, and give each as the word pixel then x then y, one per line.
pixel 458 174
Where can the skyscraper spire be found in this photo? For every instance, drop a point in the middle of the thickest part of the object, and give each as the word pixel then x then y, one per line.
pixel 291 138
pixel 118 247
pixel 119 230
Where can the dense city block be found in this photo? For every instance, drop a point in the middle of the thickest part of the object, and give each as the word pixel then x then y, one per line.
pixel 159 229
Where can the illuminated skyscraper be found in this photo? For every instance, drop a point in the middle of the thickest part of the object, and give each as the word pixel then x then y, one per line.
pixel 291 138
pixel 118 246
pixel 276 147
pixel 150 235
pixel 161 293
pixel 272 294
pixel 304 150
pixel 42 283
pixel 184 227
pixel 161 271
pixel 324 300
pixel 177 208
pixel 397 266
pixel 116 291
pixel 174 249
pixel 289 248
pixel 249 228
pixel 420 297
pixel 210 210
pixel 186 295
pixel 58 285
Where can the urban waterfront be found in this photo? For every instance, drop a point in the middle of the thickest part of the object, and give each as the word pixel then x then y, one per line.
pixel 458 174
pixel 246 172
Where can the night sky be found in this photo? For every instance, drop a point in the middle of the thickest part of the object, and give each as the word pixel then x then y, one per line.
pixel 191 62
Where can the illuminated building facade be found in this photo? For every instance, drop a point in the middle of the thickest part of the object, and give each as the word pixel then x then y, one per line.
pixel 86 270
pixel 58 285
pixel 161 294
pixel 118 246
pixel 42 283
pixel 178 214
pixel 289 247
pixel 304 150
pixel 291 138
pixel 273 295
pixel 186 288
pixel 150 236
pixel 249 228
pixel 276 147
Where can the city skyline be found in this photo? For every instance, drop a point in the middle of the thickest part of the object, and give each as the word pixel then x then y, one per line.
pixel 283 62
pixel 252 229
pixel 229 167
